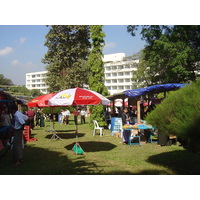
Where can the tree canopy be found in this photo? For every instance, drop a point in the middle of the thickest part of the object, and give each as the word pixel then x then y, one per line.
pixel 181 117
pixel 172 53
pixel 5 81
pixel 96 66
pixel 68 48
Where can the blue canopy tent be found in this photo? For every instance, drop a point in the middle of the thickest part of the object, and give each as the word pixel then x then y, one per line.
pixel 137 93
pixel 153 89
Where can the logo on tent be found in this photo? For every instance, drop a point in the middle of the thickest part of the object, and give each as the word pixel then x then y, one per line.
pixel 64 96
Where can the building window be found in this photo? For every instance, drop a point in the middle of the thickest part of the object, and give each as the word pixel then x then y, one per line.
pixel 107 74
pixel 33 76
pixel 114 67
pixel 127 73
pixel 114 81
pixel 120 80
pixel 120 66
pixel 114 74
pixel 120 73
pixel 108 87
pixel 108 81
pixel 127 80
pixel 114 87
pixel 127 66
pixel 120 87
pixel 127 87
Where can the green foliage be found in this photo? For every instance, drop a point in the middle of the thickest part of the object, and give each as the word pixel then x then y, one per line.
pixel 5 81
pixel 179 114
pixel 172 53
pixel 97 114
pixel 96 67
pixel 68 48
pixel 22 90
pixel 95 62
pixel 57 110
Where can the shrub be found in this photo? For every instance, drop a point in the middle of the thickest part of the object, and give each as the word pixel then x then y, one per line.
pixel 179 114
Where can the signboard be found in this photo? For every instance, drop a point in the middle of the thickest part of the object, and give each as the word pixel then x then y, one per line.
pixel 116 124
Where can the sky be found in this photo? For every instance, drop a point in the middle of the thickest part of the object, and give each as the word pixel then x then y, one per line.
pixel 22 48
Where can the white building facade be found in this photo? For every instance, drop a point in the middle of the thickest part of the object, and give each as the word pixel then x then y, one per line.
pixel 117 70
pixel 36 80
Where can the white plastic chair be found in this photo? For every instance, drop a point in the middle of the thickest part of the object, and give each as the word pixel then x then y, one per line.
pixel 97 127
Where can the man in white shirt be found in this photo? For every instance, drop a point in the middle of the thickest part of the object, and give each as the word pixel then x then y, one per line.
pixel 19 121
pixel 83 113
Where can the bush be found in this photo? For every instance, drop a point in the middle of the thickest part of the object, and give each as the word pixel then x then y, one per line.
pixel 179 114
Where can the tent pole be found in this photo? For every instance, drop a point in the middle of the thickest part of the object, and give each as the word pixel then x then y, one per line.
pixel 113 108
pixel 52 115
pixel 138 110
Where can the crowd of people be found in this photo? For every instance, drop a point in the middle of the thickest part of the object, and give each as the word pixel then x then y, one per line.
pixel 65 114
pixel 13 122
pixel 12 126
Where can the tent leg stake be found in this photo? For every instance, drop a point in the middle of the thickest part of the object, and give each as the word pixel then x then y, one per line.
pixel 77 147
pixel 55 136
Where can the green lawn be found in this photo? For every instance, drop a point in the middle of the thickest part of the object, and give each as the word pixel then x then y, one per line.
pixel 104 155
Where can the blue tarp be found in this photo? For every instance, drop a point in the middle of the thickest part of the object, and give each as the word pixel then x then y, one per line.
pixel 8 101
pixel 153 89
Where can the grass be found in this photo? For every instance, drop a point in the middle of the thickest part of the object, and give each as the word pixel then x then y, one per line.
pixel 103 155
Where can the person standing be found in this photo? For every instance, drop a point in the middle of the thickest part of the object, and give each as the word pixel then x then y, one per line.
pixel 62 116
pixel 30 113
pixel 67 114
pixel 42 124
pixel 83 113
pixel 19 121
pixel 5 123
pixel 125 120
pixel 37 118
pixel 76 113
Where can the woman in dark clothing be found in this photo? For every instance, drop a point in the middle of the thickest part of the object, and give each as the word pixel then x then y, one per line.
pixel 125 120
pixel 42 118
pixel 37 118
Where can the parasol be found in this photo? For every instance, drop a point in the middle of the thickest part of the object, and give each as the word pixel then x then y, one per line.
pixel 41 101
pixel 78 96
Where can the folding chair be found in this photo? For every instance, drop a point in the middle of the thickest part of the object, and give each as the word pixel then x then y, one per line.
pixel 97 127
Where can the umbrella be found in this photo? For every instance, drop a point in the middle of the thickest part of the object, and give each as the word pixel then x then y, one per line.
pixel 41 101
pixel 77 96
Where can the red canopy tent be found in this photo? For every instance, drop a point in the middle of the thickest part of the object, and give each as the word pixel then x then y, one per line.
pixel 41 101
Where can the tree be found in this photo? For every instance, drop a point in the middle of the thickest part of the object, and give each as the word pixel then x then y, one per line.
pixel 5 81
pixel 68 48
pixel 96 67
pixel 172 53
pixel 181 117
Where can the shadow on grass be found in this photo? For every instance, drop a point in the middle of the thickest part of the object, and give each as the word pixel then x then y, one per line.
pixel 144 172
pixel 66 135
pixel 64 131
pixel 181 162
pixel 39 161
pixel 93 146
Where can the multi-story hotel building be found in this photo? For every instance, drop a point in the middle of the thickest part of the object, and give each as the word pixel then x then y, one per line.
pixel 36 80
pixel 118 74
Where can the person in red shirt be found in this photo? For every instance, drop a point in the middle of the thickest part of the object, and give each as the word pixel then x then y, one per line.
pixel 76 113
pixel 30 113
